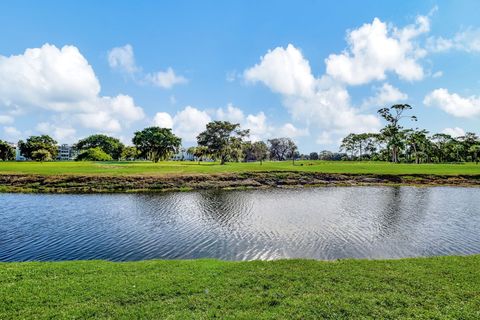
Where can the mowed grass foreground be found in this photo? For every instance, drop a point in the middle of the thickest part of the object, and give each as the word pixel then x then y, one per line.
pixel 433 288
pixel 189 167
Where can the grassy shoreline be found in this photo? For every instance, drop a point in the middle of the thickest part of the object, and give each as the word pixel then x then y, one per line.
pixel 112 177
pixel 226 181
pixel 436 287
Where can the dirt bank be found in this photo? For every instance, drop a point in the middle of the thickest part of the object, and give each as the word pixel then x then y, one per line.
pixel 98 183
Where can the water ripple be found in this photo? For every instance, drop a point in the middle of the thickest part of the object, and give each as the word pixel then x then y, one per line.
pixel 319 223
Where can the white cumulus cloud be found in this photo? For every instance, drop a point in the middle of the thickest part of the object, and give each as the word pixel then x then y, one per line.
pixel 123 59
pixel 165 79
pixel 375 49
pixel 454 104
pixel 12 133
pixel 321 103
pixel 163 120
pixel 289 130
pixel 5 119
pixel 283 70
pixel 231 114
pixel 59 133
pixel 189 122
pixel 384 96
pixel 62 82
pixel 454 132
pixel 467 40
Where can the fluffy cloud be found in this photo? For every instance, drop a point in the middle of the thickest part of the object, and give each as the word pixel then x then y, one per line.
pixel 323 103
pixel 189 122
pixel 61 134
pixel 289 130
pixel 12 133
pixel 258 124
pixel 385 95
pixel 122 59
pixel 42 77
pixel 375 49
pixel 467 40
pixel 61 81
pixel 163 120
pixel 454 132
pixel 231 113
pixel 165 79
pixel 283 70
pixel 454 104
pixel 5 119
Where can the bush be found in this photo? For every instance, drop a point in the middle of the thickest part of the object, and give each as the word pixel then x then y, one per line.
pixel 41 155
pixel 94 154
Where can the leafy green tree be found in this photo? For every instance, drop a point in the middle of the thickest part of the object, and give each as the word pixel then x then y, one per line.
pixel 281 148
pixel 474 150
pixel 418 141
pixel 349 145
pixel 93 154
pixel 37 143
pixel 260 151
pixel 198 152
pixel 155 143
pixel 7 152
pixel 110 145
pixel 292 150
pixel 313 156
pixel 130 153
pixel 223 140
pixel 442 144
pixel 392 131
pixel 469 141
pixel 41 155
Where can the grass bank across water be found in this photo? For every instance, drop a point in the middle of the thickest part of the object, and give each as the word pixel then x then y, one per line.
pixel 245 180
pixel 433 288
pixel 91 177
pixel 188 167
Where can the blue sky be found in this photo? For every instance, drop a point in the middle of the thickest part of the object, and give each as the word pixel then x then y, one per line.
pixel 313 70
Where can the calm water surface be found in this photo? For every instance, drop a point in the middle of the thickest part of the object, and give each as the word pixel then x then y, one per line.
pixel 322 223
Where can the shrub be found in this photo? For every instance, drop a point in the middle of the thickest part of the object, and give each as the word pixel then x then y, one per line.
pixel 93 154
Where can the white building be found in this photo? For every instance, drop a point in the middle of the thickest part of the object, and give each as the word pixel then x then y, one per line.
pixel 183 155
pixel 18 154
pixel 66 152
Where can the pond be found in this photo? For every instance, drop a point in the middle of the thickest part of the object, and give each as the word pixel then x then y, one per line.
pixel 317 223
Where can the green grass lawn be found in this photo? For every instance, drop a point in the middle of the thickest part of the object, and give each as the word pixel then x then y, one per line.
pixel 181 167
pixel 428 288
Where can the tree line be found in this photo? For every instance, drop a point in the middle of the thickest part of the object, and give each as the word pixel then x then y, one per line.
pixel 394 143
pixel 224 141
pixel 221 141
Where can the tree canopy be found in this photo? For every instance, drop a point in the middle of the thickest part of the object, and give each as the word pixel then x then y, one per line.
pixel 282 149
pixel 93 154
pixel 7 152
pixel 223 140
pixel 396 144
pixel 33 144
pixel 110 145
pixel 155 143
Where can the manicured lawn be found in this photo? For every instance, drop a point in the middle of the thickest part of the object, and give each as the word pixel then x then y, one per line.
pixel 179 167
pixel 433 288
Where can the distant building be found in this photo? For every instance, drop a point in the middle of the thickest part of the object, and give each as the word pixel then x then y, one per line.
pixel 183 155
pixel 18 155
pixel 66 152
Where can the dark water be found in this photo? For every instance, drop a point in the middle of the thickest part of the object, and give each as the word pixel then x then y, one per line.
pixel 323 223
